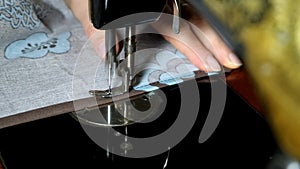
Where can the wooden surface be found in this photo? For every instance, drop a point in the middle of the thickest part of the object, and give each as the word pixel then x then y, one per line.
pixel 240 81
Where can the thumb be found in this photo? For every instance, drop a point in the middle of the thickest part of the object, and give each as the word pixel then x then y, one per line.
pixel 96 37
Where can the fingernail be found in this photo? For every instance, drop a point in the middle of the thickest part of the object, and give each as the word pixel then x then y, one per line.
pixel 234 60
pixel 213 65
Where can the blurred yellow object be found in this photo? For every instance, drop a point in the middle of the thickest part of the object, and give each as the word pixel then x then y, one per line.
pixel 270 33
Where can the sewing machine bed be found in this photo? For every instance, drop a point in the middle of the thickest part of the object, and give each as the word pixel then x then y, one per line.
pixel 241 140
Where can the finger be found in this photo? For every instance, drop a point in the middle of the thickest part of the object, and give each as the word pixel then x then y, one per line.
pixel 211 40
pixel 188 44
pixel 195 52
pixel 96 37
pixel 216 45
pixel 97 40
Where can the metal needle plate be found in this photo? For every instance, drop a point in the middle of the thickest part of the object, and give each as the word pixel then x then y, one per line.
pixel 124 112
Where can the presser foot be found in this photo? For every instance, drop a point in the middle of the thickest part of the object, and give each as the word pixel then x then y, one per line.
pixel 125 88
pixel 123 112
pixel 109 93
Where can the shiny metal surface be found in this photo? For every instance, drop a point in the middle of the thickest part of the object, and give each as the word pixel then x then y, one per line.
pixel 124 112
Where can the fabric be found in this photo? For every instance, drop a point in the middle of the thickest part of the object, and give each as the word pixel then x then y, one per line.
pixel 39 41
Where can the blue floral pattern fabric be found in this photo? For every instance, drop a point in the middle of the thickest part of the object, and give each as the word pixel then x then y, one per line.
pixel 40 40
pixel 19 12
pixel 38 45
pixel 171 68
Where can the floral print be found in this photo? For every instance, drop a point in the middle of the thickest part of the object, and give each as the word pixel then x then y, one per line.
pixel 19 12
pixel 171 68
pixel 38 45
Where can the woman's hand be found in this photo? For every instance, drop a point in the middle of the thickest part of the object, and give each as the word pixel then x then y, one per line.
pixel 80 10
pixel 198 41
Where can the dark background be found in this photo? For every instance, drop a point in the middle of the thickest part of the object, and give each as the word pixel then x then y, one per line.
pixel 242 140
